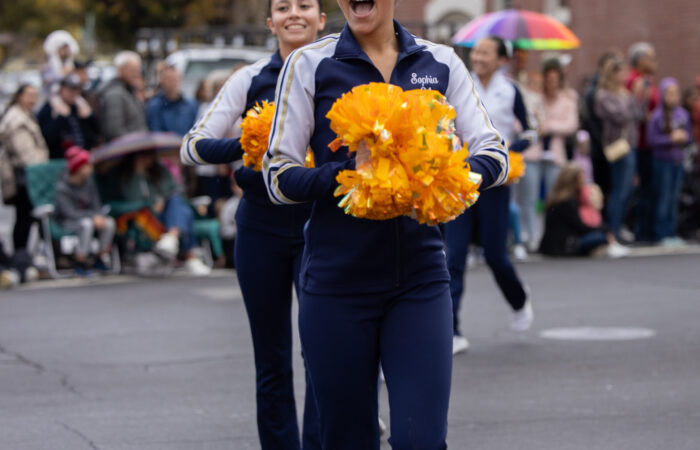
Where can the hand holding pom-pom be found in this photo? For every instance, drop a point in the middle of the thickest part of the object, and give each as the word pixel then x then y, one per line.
pixel 409 160
pixel 256 130
pixel 516 167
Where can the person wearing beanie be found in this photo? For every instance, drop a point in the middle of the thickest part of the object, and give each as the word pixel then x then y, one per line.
pixel 668 132
pixel 78 210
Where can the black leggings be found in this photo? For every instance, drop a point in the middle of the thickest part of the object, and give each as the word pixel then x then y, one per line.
pixel 23 218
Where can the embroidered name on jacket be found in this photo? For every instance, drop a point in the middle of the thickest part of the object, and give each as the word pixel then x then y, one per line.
pixel 426 79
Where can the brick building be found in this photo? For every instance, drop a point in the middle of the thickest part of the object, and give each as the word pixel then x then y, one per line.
pixel 673 26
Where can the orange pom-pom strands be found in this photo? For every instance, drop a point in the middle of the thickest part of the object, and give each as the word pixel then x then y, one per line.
pixel 416 165
pixel 256 130
pixel 516 167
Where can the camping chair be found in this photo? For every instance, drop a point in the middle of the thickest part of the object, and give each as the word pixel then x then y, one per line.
pixel 206 230
pixel 41 188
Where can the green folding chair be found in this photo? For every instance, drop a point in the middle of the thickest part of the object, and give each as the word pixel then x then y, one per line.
pixel 41 188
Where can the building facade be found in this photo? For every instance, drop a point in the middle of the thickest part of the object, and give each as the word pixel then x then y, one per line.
pixel 672 26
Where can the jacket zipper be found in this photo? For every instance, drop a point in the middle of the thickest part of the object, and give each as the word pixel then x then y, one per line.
pixel 397 267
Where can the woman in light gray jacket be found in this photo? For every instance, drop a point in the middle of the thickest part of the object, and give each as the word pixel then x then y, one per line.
pixel 21 144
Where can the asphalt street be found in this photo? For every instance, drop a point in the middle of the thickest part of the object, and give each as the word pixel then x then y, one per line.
pixel 132 364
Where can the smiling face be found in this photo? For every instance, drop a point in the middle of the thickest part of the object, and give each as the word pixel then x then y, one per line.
pixel 366 17
pixel 672 96
pixel 295 22
pixel 29 98
pixel 484 58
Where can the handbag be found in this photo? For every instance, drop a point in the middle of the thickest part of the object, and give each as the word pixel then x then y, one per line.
pixel 617 149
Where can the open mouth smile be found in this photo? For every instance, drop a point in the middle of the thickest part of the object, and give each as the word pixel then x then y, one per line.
pixel 361 8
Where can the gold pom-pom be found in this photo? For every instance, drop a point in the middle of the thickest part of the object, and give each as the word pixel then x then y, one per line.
pixel 417 166
pixel 256 130
pixel 516 167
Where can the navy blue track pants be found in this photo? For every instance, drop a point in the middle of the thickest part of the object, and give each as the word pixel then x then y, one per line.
pixel 267 268
pixel 344 338
pixel 490 215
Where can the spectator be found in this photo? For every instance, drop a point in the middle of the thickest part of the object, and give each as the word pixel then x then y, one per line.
pixel 141 179
pixel 122 112
pixel 620 114
pixel 67 119
pixel 573 224
pixel 169 110
pixel 79 210
pixel 60 47
pixel 558 121
pixel 640 80
pixel 592 123
pixel 668 132
pixel 22 145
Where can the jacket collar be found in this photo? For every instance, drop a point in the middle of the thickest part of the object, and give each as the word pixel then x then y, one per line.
pixel 348 48
pixel 276 61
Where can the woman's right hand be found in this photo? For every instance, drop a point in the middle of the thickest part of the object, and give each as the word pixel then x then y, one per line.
pixel 679 136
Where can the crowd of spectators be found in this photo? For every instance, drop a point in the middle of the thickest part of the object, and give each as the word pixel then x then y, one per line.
pixel 608 168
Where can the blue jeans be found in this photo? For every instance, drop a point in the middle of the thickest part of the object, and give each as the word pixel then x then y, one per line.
pixel 178 214
pixel 622 177
pixel 667 182
pixel 528 193
pixel 590 241
pixel 514 219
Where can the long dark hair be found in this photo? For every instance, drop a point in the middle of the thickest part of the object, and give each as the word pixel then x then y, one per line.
pixel 15 97
pixel 504 50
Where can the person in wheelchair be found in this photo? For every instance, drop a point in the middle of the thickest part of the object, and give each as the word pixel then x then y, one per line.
pixel 143 190
pixel 79 210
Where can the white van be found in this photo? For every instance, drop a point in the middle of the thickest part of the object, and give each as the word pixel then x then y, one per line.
pixel 196 63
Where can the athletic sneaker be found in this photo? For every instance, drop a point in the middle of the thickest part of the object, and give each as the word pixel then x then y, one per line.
pixel 460 344
pixel 167 246
pixel 616 250
pixel 522 318
pixel 197 268
pixel 81 270
pixel 100 265
pixel 519 252
pixel 31 274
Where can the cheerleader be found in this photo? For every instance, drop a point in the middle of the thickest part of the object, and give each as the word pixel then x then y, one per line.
pixel 371 290
pixel 269 239
pixel 490 215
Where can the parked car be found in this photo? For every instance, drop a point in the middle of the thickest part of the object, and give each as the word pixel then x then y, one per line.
pixel 196 63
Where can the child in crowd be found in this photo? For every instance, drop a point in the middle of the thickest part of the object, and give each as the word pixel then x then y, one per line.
pixel 78 210
pixel 573 222
pixel 668 132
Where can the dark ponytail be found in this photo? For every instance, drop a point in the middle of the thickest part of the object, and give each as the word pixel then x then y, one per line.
pixel 504 49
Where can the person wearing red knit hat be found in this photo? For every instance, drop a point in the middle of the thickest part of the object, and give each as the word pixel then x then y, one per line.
pixel 78 210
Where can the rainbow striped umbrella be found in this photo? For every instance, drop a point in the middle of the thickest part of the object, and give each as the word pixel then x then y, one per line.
pixel 526 29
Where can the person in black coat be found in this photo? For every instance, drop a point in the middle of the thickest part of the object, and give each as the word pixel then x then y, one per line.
pixel 573 224
pixel 67 120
